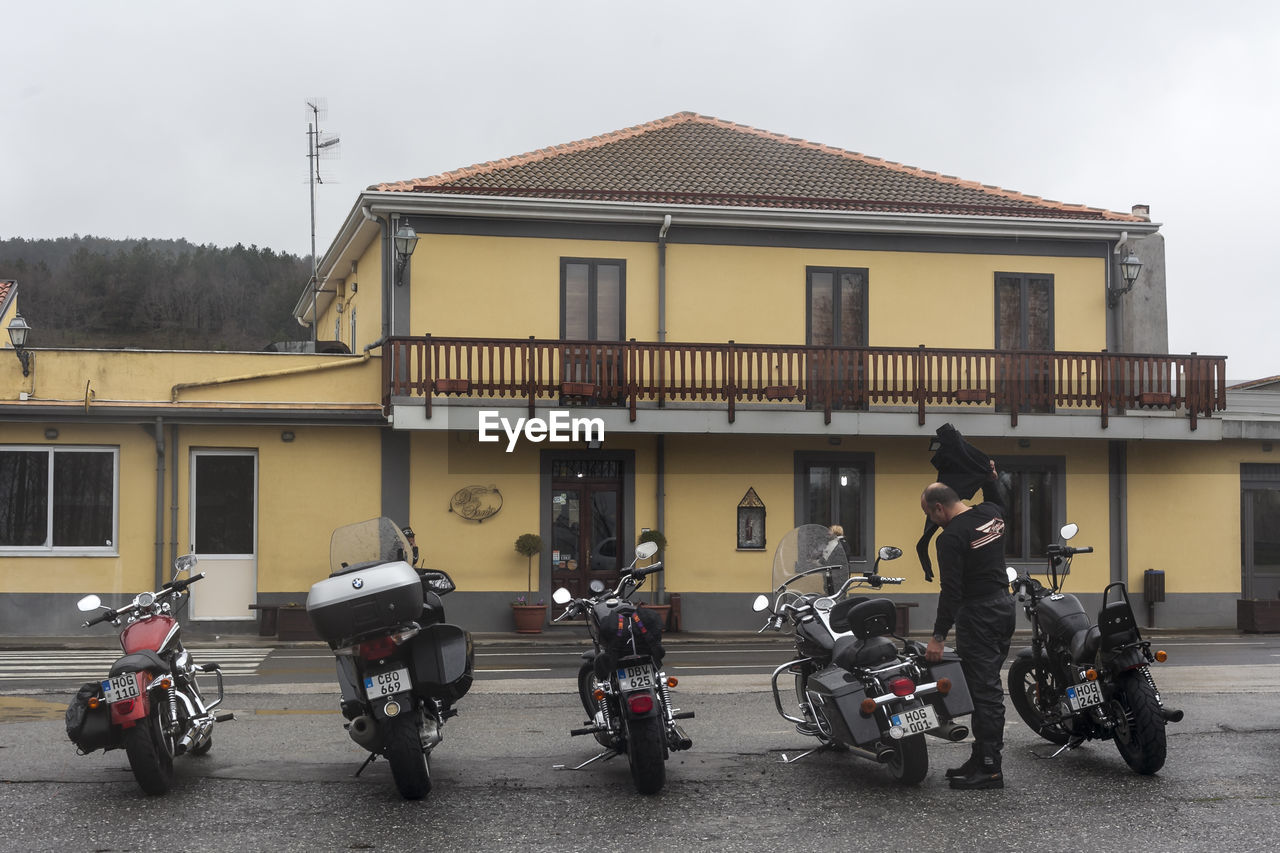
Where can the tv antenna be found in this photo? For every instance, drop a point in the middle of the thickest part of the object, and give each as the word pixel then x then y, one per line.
pixel 318 144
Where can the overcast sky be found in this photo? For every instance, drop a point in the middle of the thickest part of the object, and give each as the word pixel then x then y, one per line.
pixel 163 119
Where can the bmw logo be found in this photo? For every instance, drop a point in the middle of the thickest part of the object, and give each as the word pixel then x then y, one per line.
pixel 357 583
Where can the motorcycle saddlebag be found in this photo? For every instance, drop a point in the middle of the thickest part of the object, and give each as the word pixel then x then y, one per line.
pixel 837 696
pixel 443 662
pixel 958 702
pixel 90 728
pixel 364 598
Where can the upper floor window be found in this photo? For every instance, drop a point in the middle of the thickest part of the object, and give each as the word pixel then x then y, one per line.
pixel 59 498
pixel 1024 311
pixel 1035 488
pixel 593 299
pixel 836 307
pixel 835 488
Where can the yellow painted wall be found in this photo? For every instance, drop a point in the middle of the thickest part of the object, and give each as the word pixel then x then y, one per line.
pixel 1184 512
pixel 494 287
pixel 481 556
pixel 360 292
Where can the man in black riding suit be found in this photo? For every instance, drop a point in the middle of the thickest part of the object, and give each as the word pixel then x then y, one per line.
pixel 975 598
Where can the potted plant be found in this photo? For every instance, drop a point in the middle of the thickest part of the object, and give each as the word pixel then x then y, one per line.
pixel 529 618
pixel 656 537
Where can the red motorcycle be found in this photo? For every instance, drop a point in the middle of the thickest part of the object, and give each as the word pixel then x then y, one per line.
pixel 150 703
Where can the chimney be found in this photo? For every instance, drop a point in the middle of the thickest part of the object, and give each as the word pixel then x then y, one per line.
pixel 1143 210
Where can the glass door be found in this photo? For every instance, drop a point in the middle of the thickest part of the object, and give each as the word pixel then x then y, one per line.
pixel 224 533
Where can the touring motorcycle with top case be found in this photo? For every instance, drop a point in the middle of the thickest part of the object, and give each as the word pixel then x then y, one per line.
pixel 1079 680
pixel 857 685
pixel 150 703
pixel 401 667
pixel 621 683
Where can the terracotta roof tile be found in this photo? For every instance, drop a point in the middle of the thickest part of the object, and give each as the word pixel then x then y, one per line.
pixel 693 159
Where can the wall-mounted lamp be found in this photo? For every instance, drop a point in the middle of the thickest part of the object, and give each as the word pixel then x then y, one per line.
pixel 287 436
pixel 1130 266
pixel 51 433
pixel 406 240
pixel 18 330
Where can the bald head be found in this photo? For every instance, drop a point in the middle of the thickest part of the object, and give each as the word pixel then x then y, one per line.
pixel 941 503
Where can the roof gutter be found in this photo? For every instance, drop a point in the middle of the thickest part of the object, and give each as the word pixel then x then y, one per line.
pixel 491 207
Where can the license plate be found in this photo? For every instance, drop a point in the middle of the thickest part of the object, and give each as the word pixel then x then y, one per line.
pixel 636 677
pixel 1084 695
pixel 117 688
pixel 912 722
pixel 386 683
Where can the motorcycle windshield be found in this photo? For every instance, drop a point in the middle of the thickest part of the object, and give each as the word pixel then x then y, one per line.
pixel 810 559
pixel 377 540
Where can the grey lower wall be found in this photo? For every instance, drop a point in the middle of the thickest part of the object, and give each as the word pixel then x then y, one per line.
pixel 55 614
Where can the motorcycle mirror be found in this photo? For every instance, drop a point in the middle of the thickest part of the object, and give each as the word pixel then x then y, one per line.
pixel 1069 530
pixel 561 596
pixel 645 550
pixel 1011 573
pixel 89 602
pixel 185 563
pixel 760 604
pixel 889 552
pixel 596 586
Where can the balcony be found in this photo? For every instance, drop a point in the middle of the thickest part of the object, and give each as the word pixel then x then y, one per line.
pixel 821 379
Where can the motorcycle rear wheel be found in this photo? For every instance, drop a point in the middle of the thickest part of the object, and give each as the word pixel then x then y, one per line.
pixel 1140 731
pixel 150 754
pixel 586 687
pixel 910 762
pixel 1030 701
pixel 647 754
pixel 410 766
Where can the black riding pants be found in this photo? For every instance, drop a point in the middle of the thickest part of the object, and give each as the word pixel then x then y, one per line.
pixel 983 631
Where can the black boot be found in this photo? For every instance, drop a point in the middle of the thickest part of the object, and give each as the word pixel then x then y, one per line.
pixel 970 764
pixel 986 775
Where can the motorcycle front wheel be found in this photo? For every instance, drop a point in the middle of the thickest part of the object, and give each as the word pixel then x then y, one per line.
pixel 910 762
pixel 1030 701
pixel 410 766
pixel 647 753
pixel 1140 730
pixel 150 753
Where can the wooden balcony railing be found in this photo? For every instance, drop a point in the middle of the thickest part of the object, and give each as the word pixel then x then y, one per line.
pixel 827 379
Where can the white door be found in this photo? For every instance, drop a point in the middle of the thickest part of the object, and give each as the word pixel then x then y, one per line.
pixel 224 533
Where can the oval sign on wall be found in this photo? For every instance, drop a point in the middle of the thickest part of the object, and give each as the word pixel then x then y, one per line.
pixel 476 503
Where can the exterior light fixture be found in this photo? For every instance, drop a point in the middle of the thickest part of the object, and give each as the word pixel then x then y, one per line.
pixel 406 240
pixel 1130 266
pixel 18 330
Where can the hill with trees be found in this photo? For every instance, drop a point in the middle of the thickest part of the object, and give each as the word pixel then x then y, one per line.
pixel 154 294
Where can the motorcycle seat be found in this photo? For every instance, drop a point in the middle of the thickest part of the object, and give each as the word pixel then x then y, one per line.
pixel 853 653
pixel 143 661
pixel 1084 645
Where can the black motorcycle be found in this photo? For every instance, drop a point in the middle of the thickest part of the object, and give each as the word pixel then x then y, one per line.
pixel 401 667
pixel 857 688
pixel 1082 681
pixel 625 692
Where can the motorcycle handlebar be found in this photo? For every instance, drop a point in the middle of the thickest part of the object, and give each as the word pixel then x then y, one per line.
pixel 647 570
pixel 101 617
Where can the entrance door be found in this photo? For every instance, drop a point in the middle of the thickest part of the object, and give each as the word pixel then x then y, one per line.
pixel 593 298
pixel 586 512
pixel 837 317
pixel 1260 542
pixel 1024 322
pixel 224 533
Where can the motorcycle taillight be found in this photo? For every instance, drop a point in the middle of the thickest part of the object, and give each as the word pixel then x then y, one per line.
pixel 377 649
pixel 902 686
pixel 641 703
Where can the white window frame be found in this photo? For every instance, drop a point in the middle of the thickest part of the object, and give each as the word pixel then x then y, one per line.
pixel 49 549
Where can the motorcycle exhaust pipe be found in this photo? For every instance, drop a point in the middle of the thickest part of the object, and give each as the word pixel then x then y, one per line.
pixel 198 732
pixel 678 740
pixel 1171 715
pixel 364 731
pixel 952 731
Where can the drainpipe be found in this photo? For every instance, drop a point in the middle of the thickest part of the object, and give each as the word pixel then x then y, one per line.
pixel 173 499
pixel 160 573
pixel 268 374
pixel 662 278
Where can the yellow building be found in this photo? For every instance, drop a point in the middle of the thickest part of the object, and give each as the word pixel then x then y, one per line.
pixel 687 326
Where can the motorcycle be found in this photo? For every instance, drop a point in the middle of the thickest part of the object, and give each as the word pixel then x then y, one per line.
pixel 857 689
pixel 401 667
pixel 150 703
pixel 623 689
pixel 1081 681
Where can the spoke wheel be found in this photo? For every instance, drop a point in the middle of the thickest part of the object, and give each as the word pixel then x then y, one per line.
pixel 1033 699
